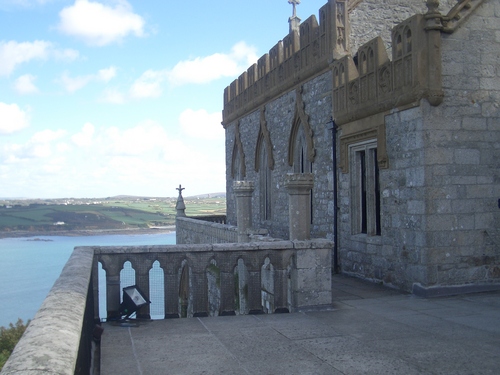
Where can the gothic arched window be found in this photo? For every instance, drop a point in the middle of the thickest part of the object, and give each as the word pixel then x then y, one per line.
pixel 265 182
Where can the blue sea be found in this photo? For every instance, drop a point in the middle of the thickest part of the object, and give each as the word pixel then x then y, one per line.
pixel 29 267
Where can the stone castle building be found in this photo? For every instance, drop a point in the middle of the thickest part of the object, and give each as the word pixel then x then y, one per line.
pixel 384 122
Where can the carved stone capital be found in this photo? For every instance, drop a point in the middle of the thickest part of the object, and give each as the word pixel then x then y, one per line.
pixel 299 183
pixel 243 188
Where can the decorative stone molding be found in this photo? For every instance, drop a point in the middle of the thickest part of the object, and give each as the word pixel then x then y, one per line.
pixel 238 154
pixel 264 141
pixel 375 83
pixel 458 14
pixel 360 131
pixel 301 118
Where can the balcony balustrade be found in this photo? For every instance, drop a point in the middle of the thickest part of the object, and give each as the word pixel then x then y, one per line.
pixel 198 280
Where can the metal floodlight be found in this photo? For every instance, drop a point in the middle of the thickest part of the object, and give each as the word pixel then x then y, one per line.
pixel 133 300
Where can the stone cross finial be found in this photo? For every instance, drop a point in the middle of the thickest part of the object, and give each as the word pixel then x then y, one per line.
pixel 180 206
pixel 294 3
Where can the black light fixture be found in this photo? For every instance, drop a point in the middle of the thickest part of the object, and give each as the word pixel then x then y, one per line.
pixel 133 300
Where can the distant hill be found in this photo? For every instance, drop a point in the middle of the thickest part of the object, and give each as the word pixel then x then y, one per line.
pixel 112 213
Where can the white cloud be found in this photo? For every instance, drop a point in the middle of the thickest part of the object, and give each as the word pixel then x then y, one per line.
pixel 72 84
pixel 84 138
pixel 136 141
pixel 25 84
pixel 200 70
pixel 201 124
pixel 140 160
pixel 98 24
pixel 47 136
pixel 108 74
pixel 39 146
pixel 210 68
pixel 12 118
pixel 148 85
pixel 13 54
pixel 113 96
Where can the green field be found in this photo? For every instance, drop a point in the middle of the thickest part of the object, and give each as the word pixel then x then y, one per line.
pixel 110 213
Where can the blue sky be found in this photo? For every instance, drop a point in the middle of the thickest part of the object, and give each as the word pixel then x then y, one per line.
pixel 106 97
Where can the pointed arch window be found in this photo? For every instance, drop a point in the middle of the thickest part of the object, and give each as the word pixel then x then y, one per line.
pixel 238 171
pixel 301 164
pixel 263 167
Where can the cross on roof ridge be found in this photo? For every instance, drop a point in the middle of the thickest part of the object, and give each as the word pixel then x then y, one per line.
pixel 294 4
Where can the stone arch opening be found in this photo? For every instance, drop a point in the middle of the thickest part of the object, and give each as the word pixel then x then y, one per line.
pixel 101 279
pixel 157 291
pixel 127 277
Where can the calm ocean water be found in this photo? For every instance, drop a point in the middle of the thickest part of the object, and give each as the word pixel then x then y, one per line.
pixel 28 268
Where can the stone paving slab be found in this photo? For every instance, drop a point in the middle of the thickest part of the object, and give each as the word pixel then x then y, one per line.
pixel 371 330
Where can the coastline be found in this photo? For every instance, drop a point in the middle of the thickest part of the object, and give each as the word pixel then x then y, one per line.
pixel 88 232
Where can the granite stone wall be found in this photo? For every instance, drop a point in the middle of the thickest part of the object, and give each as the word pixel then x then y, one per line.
pixel 462 157
pixel 439 152
pixel 279 115
pixel 440 194
pixel 382 16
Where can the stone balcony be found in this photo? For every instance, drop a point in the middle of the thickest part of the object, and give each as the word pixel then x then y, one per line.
pixel 198 281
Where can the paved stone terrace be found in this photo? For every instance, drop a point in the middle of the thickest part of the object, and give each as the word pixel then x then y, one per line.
pixel 371 330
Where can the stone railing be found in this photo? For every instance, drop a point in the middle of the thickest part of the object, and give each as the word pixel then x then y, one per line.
pixel 199 230
pixel 198 280
pixel 222 279
pixel 59 338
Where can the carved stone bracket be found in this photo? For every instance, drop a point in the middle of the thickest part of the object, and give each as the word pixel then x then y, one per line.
pixel 458 14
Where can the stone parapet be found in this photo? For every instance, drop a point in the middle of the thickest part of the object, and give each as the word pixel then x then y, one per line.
pixel 58 339
pixel 197 231
pixel 63 337
pixel 300 277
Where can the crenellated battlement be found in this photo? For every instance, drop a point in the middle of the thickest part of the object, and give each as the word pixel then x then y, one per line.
pixel 371 82
pixel 300 55
pixel 365 82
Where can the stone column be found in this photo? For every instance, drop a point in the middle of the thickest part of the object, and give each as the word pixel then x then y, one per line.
pixel 243 191
pixel 299 186
pixel 113 295
pixel 142 281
